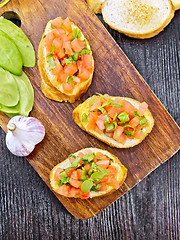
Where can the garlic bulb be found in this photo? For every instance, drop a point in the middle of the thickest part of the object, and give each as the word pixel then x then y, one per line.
pixel 23 134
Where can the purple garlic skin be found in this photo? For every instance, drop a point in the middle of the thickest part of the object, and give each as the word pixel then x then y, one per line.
pixel 23 134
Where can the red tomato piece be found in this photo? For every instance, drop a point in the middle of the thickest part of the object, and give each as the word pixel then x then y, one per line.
pixel 58 67
pixel 67 25
pixel 96 104
pixel 88 61
pixel 79 173
pixel 67 47
pixel 142 108
pixel 76 46
pixel 134 122
pixel 113 111
pixel 109 134
pixel 87 167
pixel 57 42
pixel 64 190
pixel 74 175
pixel 103 187
pixel 117 133
pixel 100 124
pixel 85 195
pixel 57 174
pixel 49 39
pixel 87 151
pixel 113 182
pixel 57 22
pixel 103 163
pixel 80 154
pixel 75 183
pixel 75 192
pixel 68 88
pixel 71 69
pixel 77 80
pixel 138 133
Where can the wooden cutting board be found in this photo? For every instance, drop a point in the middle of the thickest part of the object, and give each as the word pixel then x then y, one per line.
pixel 115 75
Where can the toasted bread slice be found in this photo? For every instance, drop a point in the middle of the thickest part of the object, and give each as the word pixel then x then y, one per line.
pixel 51 86
pixel 118 177
pixel 176 4
pixel 96 5
pixel 138 18
pixel 84 110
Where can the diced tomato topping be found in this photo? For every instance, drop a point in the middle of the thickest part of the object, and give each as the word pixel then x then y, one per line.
pixel 85 195
pixel 74 192
pixel 84 75
pixel 68 88
pixel 77 80
pixel 139 133
pixel 88 61
pixel 61 53
pixel 129 108
pixel 105 179
pixel 64 190
pixel 103 163
pixel 57 22
pixel 113 111
pixel 87 167
pixel 81 162
pixel 57 42
pixel 49 39
pixel 109 134
pixel 122 139
pixel 67 25
pixel 142 108
pixel 58 67
pixel 71 69
pixel 79 171
pixel 76 46
pixel 69 172
pixel 134 122
pixel 62 77
pixel 71 159
pixel 57 174
pixel 112 170
pixel 103 187
pixel 96 104
pixel 113 182
pixel 75 183
pixel 74 175
pixel 100 124
pixel 92 117
pixel 118 132
pixel 67 47
pixel 87 151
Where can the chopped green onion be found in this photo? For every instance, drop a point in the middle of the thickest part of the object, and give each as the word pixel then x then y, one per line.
pixel 101 109
pixel 102 96
pixel 115 117
pixel 61 25
pixel 43 36
pixel 105 104
pixel 76 33
pixel 126 132
pixel 51 62
pixel 86 186
pixel 143 121
pixel 72 155
pixel 84 118
pixel 63 174
pixel 123 117
pixel 75 163
pixel 70 79
pixel 92 169
pixel 68 61
pixel 114 103
pixel 110 126
pixel 85 51
pixel 75 56
pixel 52 26
pixel 83 174
pixel 92 100
pixel 63 180
pixel 89 157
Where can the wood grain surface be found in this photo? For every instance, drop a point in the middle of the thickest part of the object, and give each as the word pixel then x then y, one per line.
pixel 158 61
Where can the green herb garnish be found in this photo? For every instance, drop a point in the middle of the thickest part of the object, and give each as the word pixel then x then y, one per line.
pixel 68 61
pixel 142 119
pixel 43 36
pixel 51 62
pixel 92 100
pixel 75 56
pixel 97 176
pixel 83 174
pixel 84 118
pixel 85 51
pixel 123 117
pixel 128 133
pixel 70 79
pixel 110 126
pixel 63 180
pixel 75 163
pixel 86 186
pixel 76 34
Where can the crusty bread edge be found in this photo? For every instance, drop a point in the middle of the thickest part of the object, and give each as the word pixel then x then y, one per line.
pixel 144 35
pixel 121 176
pixel 49 83
pixel 111 142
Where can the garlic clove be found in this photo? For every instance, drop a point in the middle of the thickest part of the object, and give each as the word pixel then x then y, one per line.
pixel 23 134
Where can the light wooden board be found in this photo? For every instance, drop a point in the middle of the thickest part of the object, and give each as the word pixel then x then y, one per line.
pixel 115 75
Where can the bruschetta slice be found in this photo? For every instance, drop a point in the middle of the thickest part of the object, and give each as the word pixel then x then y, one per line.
pixel 65 61
pixel 118 121
pixel 88 173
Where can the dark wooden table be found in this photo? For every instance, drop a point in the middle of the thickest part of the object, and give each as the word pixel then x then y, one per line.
pixel 29 210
